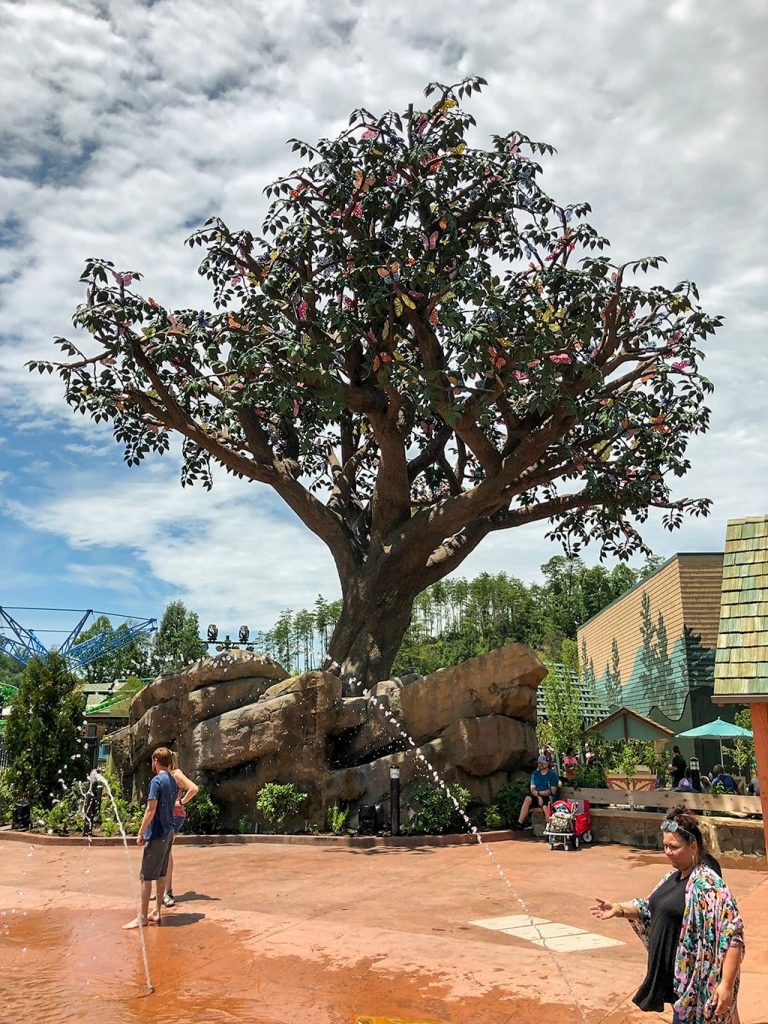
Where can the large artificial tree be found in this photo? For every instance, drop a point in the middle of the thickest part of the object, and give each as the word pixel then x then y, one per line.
pixel 421 348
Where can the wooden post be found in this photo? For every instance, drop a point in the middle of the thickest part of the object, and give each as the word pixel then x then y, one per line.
pixel 759 711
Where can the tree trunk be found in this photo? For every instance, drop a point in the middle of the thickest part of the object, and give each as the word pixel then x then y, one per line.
pixel 368 634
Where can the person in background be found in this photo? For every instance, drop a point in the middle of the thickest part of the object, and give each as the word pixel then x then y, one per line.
pixel 754 786
pixel 187 791
pixel 544 787
pixel 677 767
pixel 570 764
pixel 720 777
pixel 691 927
pixel 156 836
pixel 685 785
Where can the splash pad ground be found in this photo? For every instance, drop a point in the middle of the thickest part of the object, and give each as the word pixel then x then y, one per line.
pixel 276 933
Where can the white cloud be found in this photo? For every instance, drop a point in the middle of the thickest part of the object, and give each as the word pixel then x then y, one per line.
pixel 226 553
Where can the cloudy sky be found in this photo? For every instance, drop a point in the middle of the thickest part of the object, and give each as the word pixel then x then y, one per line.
pixel 124 125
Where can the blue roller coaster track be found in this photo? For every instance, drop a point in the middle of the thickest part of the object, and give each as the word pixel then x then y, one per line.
pixel 22 644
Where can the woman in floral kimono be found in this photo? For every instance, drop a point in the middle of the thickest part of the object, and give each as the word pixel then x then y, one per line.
pixel 691 927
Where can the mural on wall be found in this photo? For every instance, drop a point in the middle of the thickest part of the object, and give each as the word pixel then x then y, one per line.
pixel 662 675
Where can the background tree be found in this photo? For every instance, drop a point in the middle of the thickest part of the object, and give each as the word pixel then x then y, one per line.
pixel 133 659
pixel 420 349
pixel 43 731
pixel 177 641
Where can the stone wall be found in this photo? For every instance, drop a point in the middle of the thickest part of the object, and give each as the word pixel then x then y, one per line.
pixel 237 721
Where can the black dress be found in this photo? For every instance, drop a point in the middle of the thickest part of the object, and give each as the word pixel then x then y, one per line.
pixel 667 906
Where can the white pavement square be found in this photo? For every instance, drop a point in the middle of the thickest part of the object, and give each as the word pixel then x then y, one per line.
pixel 560 938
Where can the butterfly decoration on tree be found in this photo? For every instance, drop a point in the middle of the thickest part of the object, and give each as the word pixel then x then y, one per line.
pixel 391 273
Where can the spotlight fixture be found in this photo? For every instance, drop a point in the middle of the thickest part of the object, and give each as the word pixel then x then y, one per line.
pixel 243 634
pixel 213 633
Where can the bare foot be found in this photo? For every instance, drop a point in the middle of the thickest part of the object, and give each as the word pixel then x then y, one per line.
pixel 137 922
pixel 154 917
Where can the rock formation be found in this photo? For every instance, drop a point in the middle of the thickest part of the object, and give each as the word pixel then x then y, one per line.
pixel 237 721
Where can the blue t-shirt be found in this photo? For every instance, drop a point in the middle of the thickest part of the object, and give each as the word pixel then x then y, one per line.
pixel 162 788
pixel 543 781
pixel 726 781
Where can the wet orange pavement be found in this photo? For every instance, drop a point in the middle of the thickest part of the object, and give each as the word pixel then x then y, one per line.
pixel 279 934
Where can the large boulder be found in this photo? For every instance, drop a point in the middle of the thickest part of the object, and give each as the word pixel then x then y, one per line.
pixel 238 721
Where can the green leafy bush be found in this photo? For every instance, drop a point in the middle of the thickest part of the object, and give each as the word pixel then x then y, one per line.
pixel 7 798
pixel 589 777
pixel 130 813
pixel 337 819
pixel 510 798
pixel 203 815
pixel 435 813
pixel 65 816
pixel 492 817
pixel 244 826
pixel 279 802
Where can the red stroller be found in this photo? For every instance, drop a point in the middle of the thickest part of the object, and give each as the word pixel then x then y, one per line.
pixel 568 824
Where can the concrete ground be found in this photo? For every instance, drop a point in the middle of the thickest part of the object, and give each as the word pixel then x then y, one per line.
pixel 273 934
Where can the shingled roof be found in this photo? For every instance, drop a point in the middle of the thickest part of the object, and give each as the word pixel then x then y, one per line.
pixel 741 662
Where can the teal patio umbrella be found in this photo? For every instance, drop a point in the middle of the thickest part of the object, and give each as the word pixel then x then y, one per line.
pixel 717 730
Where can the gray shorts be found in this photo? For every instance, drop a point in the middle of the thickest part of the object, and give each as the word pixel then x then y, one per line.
pixel 154 863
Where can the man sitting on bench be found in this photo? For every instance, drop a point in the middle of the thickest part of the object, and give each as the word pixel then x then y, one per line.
pixel 544 786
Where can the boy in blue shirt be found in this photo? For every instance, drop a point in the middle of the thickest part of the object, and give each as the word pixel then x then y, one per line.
pixel 544 786
pixel 156 836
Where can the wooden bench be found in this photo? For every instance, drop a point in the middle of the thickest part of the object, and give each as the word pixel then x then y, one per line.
pixel 664 799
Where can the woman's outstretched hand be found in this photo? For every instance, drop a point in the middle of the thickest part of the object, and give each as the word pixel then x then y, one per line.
pixel 721 1000
pixel 603 910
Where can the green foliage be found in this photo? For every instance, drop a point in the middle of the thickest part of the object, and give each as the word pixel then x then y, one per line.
pixel 43 731
pixel 7 797
pixel 203 815
pixel 279 802
pixel 562 702
pixel 244 826
pixel 492 817
pixel 435 811
pixel 10 674
pixel 589 776
pixel 337 819
pixel 412 312
pixel 130 813
pixel 740 754
pixel 624 756
pixel 66 816
pixel 177 641
pixel 133 659
pixel 510 798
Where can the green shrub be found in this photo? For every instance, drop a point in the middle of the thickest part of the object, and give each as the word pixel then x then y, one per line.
pixel 435 813
pixel 244 826
pixel 279 802
pixel 589 777
pixel 130 813
pixel 203 815
pixel 510 798
pixel 65 816
pixel 337 819
pixel 492 817
pixel 7 798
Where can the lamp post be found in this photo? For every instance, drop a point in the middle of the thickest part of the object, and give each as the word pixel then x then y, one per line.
pixel 394 799
pixel 694 766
